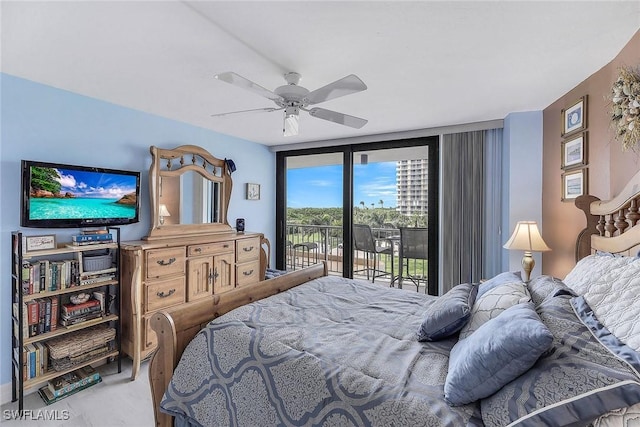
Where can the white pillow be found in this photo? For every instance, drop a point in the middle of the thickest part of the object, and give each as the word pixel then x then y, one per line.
pixel 614 298
pixel 590 269
pixel 494 302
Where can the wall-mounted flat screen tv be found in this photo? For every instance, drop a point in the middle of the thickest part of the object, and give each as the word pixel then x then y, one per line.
pixel 55 195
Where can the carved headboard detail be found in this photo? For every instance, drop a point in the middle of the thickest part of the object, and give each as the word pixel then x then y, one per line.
pixel 613 225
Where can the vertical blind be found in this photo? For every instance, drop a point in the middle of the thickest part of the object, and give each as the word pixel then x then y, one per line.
pixel 463 208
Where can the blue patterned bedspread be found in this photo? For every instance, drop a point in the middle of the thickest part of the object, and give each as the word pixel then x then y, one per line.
pixel 330 352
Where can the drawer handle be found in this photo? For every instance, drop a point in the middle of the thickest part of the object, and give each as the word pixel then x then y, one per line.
pixel 198 250
pixel 226 245
pixel 168 294
pixel 248 273
pixel 249 249
pixel 163 262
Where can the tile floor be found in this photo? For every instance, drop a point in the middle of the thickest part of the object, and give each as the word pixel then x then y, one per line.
pixel 116 401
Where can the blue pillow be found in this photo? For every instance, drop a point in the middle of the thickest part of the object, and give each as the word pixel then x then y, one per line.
pixel 499 351
pixel 500 279
pixel 574 383
pixel 448 314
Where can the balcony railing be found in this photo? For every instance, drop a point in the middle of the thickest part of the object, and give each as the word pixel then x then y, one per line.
pixel 307 244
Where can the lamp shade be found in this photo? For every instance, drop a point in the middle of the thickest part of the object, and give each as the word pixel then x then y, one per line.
pixel 163 211
pixel 291 121
pixel 526 237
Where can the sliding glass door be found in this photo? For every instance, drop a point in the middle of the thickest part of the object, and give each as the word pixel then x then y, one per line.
pixel 327 197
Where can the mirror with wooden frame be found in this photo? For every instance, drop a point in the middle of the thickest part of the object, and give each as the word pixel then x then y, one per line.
pixel 190 191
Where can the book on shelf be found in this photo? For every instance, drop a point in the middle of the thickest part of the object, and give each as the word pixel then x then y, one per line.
pixel 84 238
pixel 85 307
pixel 101 297
pixel 99 278
pixel 49 398
pixel 90 231
pixel 45 276
pixel 70 381
pixel 75 320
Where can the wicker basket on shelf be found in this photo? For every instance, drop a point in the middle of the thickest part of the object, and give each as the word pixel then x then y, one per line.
pixel 75 344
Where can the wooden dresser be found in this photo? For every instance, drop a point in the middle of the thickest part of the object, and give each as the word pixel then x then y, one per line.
pixel 163 273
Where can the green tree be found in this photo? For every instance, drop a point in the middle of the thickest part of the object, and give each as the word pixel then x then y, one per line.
pixel 45 179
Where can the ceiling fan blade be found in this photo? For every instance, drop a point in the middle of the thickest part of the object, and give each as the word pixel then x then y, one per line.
pixel 267 110
pixel 344 86
pixel 340 118
pixel 237 80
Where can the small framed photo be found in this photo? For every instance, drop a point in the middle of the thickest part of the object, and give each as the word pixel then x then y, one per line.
pixel 574 117
pixel 39 243
pixel 253 191
pixel 574 184
pixel 574 151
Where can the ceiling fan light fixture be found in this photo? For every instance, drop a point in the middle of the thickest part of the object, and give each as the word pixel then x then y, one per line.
pixel 291 121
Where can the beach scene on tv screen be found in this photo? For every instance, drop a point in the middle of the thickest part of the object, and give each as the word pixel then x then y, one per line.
pixel 57 193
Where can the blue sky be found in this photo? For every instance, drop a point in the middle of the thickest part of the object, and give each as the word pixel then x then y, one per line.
pixel 321 187
pixel 96 184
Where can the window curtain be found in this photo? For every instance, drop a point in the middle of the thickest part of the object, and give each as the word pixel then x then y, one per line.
pixel 493 185
pixel 462 223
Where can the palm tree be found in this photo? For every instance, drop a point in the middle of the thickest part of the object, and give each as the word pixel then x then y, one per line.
pixel 381 203
pixel 362 203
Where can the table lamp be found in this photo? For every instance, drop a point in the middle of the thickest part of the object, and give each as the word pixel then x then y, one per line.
pixel 162 212
pixel 526 237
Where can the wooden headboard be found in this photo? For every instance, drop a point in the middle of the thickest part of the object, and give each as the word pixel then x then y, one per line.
pixel 612 225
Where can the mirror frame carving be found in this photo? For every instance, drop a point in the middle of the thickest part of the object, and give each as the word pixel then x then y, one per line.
pixel 175 162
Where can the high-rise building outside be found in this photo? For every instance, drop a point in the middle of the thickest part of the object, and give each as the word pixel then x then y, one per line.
pixel 412 189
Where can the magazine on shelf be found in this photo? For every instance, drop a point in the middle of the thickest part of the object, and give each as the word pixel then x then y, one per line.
pixel 72 380
pixel 48 397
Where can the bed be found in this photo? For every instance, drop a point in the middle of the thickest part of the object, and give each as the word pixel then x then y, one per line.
pixel 306 348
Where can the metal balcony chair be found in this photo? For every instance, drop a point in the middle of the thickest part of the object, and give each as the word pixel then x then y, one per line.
pixel 365 242
pixel 413 245
pixel 308 248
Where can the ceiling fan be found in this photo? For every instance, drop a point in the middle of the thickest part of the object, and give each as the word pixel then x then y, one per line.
pixel 292 98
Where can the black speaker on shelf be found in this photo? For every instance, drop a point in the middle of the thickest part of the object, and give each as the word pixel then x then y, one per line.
pixel 240 224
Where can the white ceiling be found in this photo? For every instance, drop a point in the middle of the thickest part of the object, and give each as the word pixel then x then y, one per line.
pixel 427 64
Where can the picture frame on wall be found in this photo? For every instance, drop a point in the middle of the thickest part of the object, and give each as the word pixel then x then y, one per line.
pixel 574 151
pixel 574 117
pixel 253 191
pixel 574 184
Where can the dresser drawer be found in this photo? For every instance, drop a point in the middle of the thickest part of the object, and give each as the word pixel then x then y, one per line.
pixel 211 248
pixel 247 249
pixel 165 262
pixel 248 273
pixel 164 294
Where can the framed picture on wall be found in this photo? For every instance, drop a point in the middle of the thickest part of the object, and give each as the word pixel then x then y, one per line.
pixel 253 191
pixel 574 117
pixel 574 151
pixel 574 184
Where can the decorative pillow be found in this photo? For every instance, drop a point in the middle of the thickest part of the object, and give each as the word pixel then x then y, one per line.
pixel 591 268
pixel 494 302
pixel 543 287
pixel 573 383
pixel 615 300
pixel 499 351
pixel 500 279
pixel 448 314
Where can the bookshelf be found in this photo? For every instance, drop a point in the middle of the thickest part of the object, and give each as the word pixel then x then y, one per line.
pixel 43 284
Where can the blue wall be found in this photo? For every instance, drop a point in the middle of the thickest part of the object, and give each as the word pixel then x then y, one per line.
pixel 522 177
pixel 39 122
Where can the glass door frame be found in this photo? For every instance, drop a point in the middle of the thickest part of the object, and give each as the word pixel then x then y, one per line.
pixel 432 143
